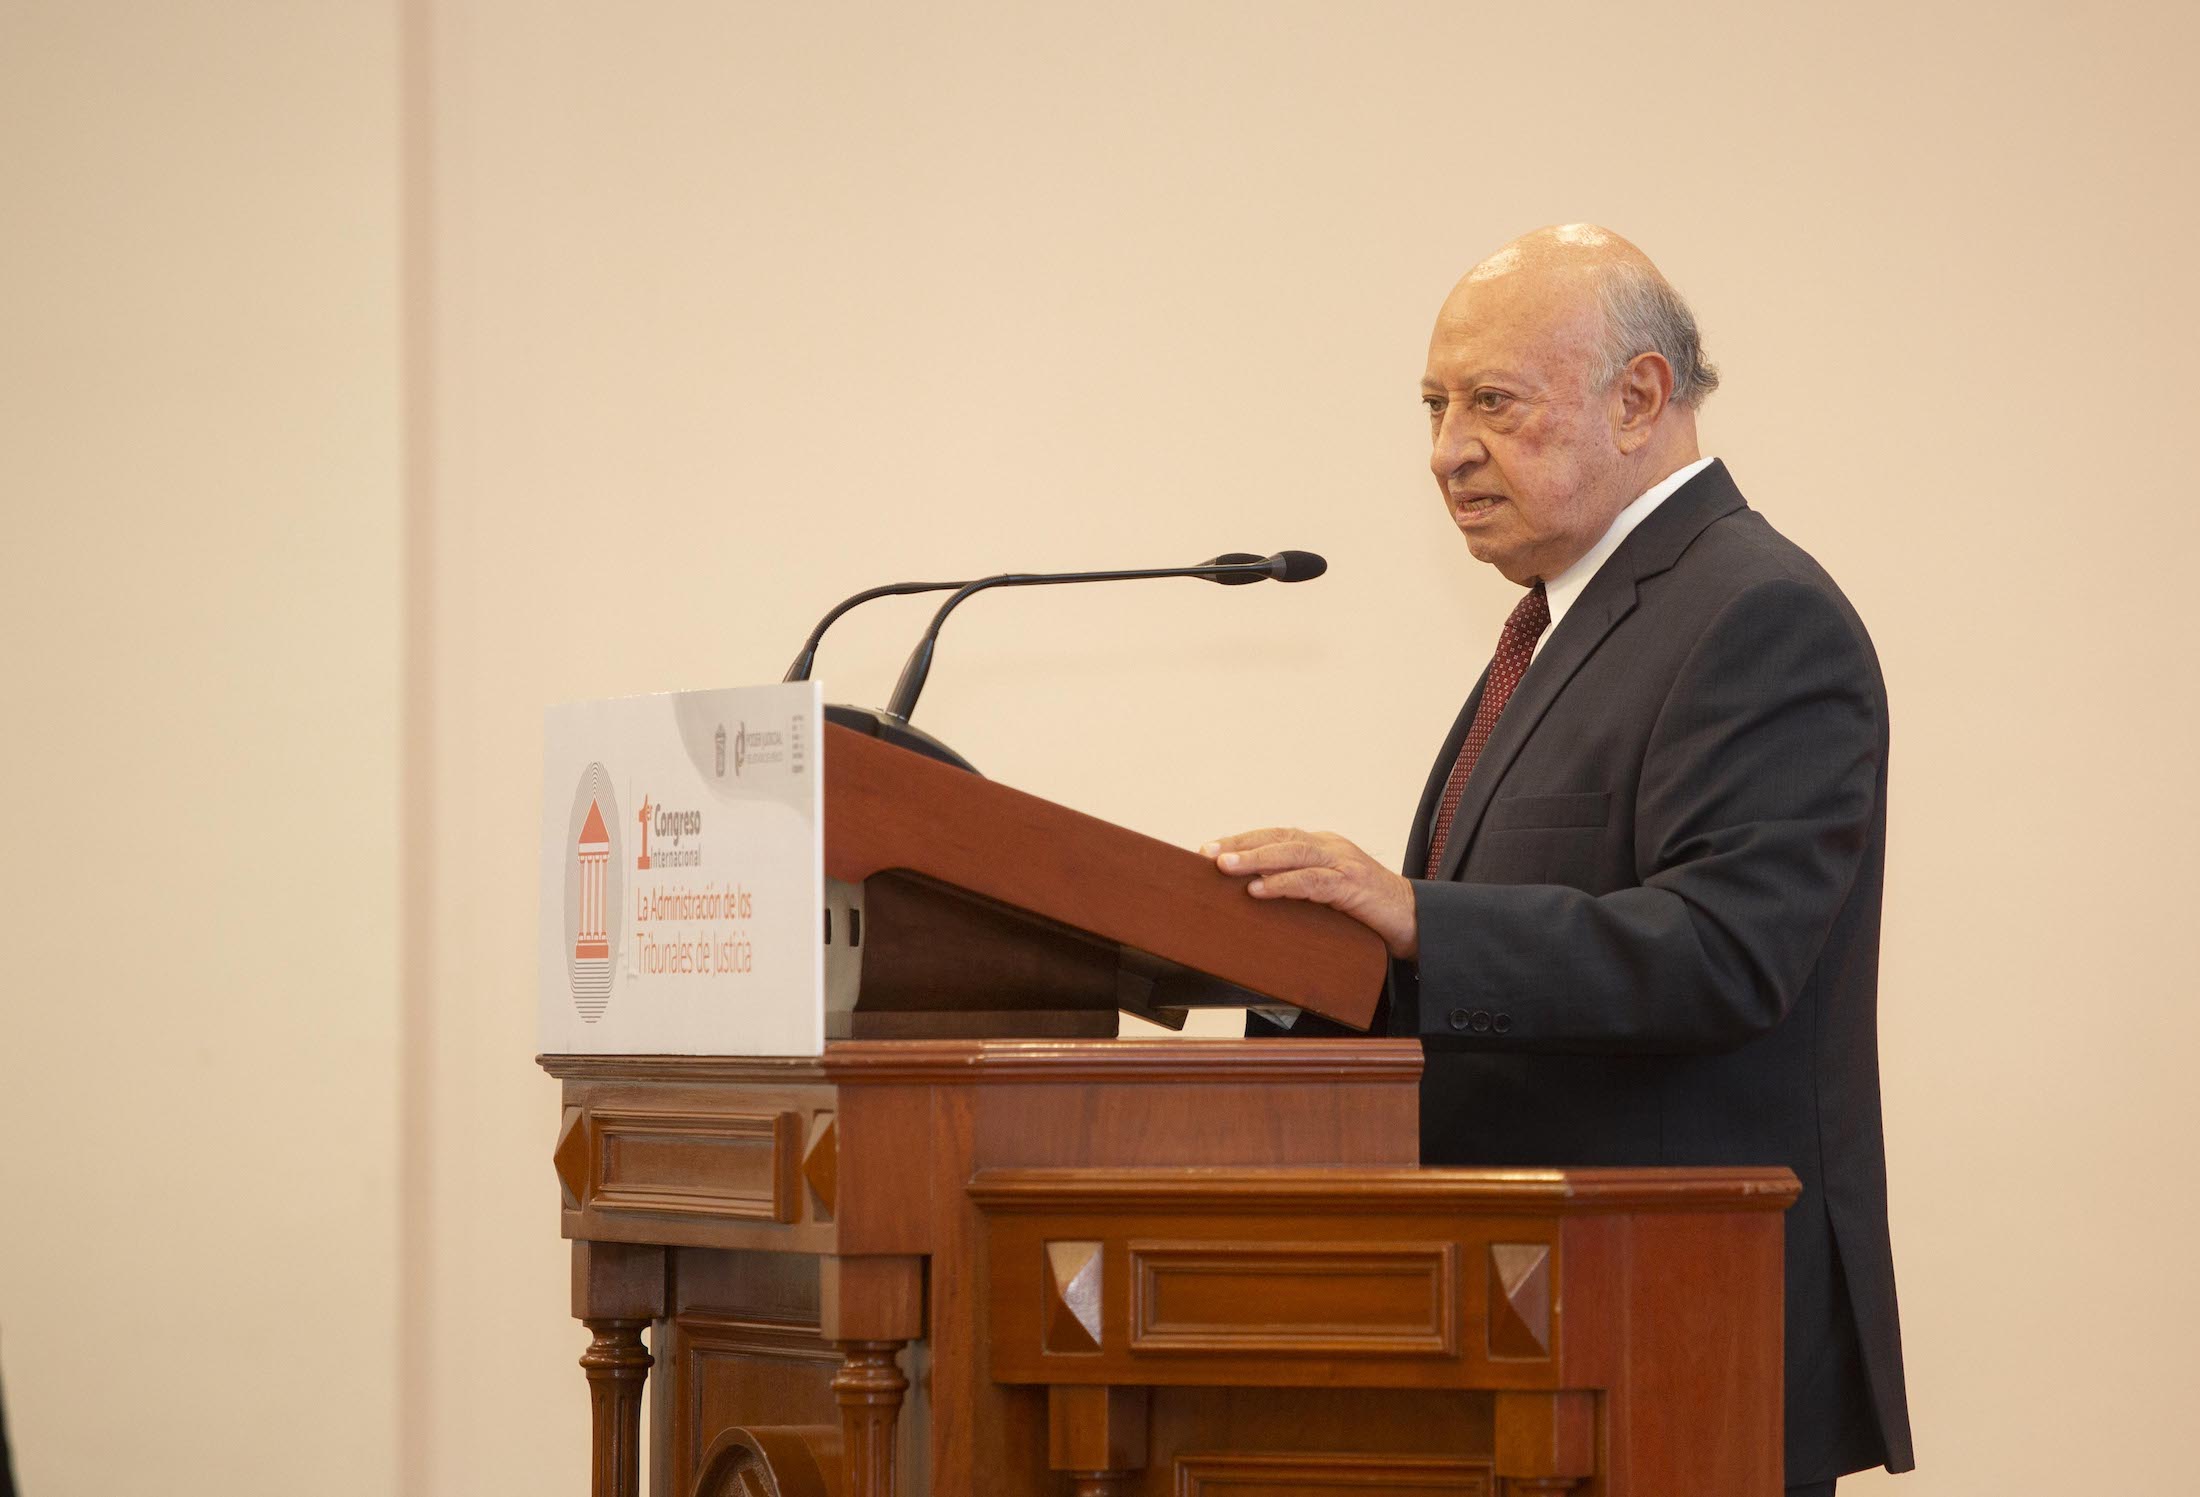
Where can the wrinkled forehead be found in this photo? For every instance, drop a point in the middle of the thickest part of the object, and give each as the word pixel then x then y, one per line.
pixel 1542 324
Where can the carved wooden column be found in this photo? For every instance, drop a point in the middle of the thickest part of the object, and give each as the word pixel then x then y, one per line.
pixel 617 1290
pixel 1098 1483
pixel 1546 1442
pixel 870 1308
pixel 616 1364
pixel 868 1388
pixel 1098 1435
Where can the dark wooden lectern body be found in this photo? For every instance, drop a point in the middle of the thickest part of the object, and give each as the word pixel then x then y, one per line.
pixel 1172 1267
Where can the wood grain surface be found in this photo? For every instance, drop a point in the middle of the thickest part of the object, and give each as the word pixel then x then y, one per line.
pixel 889 809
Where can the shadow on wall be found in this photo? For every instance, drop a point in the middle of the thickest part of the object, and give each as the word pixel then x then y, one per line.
pixel 7 1467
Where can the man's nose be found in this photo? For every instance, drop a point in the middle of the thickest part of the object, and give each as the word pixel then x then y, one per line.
pixel 1456 447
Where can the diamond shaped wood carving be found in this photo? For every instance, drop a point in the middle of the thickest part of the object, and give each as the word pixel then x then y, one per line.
pixel 571 1157
pixel 821 1165
pixel 1520 1300
pixel 1072 1320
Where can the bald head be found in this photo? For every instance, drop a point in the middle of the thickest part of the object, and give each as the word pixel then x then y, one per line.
pixel 1585 281
pixel 1563 378
pixel 1560 248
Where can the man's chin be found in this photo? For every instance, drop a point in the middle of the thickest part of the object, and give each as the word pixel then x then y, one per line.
pixel 1510 565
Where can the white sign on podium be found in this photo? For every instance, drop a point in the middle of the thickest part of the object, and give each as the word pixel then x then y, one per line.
pixel 683 874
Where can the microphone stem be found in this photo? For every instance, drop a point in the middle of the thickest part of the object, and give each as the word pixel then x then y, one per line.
pixel 806 658
pixel 911 685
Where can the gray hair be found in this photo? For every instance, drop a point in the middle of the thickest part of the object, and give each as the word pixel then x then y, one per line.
pixel 1643 314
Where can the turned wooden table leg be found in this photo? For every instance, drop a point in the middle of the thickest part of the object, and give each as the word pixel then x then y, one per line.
pixel 1097 1483
pixel 1546 1442
pixel 617 1291
pixel 870 1308
pixel 1098 1436
pixel 617 1364
pixel 869 1387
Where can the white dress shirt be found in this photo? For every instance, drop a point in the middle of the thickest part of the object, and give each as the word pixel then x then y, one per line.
pixel 1561 591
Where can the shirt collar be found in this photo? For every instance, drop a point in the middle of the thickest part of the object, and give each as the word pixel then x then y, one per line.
pixel 1560 592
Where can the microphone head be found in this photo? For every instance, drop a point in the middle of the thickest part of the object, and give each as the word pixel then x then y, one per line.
pixel 1237 559
pixel 1296 566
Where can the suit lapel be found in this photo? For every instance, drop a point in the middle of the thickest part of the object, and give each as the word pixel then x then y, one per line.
pixel 1610 596
pixel 1584 628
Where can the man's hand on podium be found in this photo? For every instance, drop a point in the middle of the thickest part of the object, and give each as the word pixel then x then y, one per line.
pixel 1286 863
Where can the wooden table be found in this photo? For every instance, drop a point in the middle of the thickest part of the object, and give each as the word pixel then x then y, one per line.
pixel 1201 1268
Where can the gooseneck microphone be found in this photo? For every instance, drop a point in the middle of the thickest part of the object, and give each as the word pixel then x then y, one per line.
pixel 807 657
pixel 1232 568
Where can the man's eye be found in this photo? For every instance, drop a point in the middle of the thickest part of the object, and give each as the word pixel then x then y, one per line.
pixel 1434 405
pixel 1489 400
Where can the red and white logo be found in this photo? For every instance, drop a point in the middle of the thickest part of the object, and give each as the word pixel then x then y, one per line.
pixel 594 881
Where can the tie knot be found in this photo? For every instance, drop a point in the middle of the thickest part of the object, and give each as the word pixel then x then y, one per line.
pixel 1530 616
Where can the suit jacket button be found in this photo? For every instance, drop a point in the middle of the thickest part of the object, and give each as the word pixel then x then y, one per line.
pixel 1502 1023
pixel 1481 1020
pixel 1458 1018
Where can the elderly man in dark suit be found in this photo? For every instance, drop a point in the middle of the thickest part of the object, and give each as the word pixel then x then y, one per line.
pixel 1639 918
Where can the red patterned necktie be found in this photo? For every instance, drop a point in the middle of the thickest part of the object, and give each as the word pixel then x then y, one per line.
pixel 1515 648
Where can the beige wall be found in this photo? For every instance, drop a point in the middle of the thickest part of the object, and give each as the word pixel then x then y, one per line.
pixel 724 311
pixel 199 603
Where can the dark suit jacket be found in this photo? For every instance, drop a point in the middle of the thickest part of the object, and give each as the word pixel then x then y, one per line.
pixel 1655 937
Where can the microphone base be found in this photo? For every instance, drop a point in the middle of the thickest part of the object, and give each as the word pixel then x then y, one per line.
pixel 871 722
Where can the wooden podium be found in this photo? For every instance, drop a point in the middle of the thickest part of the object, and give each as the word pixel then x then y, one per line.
pixel 965 1255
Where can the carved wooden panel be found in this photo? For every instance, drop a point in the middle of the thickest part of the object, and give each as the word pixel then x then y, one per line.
pixel 722 1164
pixel 772 1461
pixel 732 1371
pixel 1377 1298
pixel 1236 1474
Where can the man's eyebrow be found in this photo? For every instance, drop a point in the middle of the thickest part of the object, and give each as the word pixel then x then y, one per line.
pixel 1431 385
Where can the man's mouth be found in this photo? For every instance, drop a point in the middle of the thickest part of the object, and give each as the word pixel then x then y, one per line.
pixel 1474 506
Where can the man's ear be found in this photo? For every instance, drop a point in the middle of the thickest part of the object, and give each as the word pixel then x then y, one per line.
pixel 1641 394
